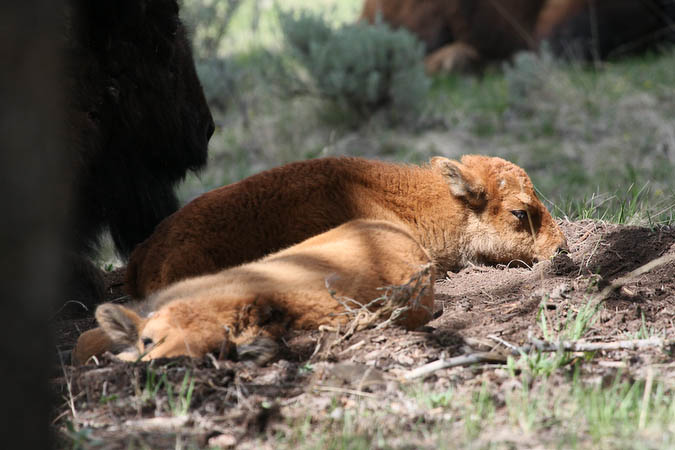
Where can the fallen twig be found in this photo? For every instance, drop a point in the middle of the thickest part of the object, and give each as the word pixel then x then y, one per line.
pixel 68 380
pixel 538 345
pixel 343 391
pixel 463 360
pixel 621 281
pixel 581 346
pixel 645 398
pixel 157 423
pixel 353 347
pixel 502 341
pixel 384 310
pixel 389 307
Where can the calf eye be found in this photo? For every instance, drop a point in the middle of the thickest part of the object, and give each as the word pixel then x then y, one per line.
pixel 520 214
pixel 147 342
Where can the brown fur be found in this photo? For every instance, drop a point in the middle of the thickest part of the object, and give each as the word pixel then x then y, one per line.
pixel 459 212
pixel 255 304
pixel 462 34
pixel 466 34
pixel 604 29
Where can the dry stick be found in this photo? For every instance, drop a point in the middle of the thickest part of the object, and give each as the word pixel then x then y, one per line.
pixel 396 300
pixel 156 423
pixel 71 399
pixel 574 346
pixel 619 282
pixel 580 346
pixel 645 398
pixel 463 360
pixel 534 240
pixel 338 390
pixel 542 346
pixel 353 347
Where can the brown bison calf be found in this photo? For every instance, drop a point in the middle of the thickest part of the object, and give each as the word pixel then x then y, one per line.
pixel 481 210
pixel 249 307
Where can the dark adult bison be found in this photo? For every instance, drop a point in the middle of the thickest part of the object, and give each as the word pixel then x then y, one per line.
pixel 605 29
pixel 467 34
pixel 138 121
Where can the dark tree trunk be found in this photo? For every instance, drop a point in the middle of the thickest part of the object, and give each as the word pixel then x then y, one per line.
pixel 32 221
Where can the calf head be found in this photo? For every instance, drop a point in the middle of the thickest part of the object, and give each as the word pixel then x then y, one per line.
pixel 186 328
pixel 505 221
pixel 175 330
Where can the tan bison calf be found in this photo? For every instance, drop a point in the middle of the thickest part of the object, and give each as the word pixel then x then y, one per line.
pixel 481 210
pixel 246 309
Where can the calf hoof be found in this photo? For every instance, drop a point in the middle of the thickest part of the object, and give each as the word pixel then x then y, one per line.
pixel 260 350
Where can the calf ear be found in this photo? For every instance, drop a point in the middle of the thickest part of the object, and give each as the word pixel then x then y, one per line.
pixel 119 323
pixel 462 181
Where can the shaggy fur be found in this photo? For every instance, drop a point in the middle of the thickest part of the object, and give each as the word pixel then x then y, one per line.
pixel 466 34
pixel 459 212
pixel 462 34
pixel 137 121
pixel 253 305
pixel 603 29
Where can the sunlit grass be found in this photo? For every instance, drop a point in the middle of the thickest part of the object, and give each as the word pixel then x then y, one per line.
pixel 539 413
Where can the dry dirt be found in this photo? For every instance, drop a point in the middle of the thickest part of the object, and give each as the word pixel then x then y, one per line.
pixel 237 404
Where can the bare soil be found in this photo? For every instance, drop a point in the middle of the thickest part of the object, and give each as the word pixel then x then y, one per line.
pixel 235 404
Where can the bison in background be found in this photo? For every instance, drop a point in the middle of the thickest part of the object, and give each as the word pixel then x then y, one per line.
pixel 468 34
pixel 604 29
pixel 461 34
pixel 137 122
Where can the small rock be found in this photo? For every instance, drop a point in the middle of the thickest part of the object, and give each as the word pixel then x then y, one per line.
pixel 337 414
pixel 223 441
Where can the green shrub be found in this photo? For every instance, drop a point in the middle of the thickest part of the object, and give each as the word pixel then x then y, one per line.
pixel 209 24
pixel 363 68
pixel 527 78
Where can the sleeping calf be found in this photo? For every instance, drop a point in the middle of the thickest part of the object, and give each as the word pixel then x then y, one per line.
pixel 250 307
pixel 480 210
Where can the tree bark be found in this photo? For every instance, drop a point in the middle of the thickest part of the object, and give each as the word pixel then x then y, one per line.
pixel 33 181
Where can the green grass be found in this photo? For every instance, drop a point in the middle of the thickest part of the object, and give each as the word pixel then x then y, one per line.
pixel 566 325
pixel 554 412
pixel 158 390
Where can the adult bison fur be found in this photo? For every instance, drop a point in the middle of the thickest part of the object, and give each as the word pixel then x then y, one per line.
pixel 250 307
pixel 461 34
pixel 605 29
pixel 467 34
pixel 477 210
pixel 137 121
